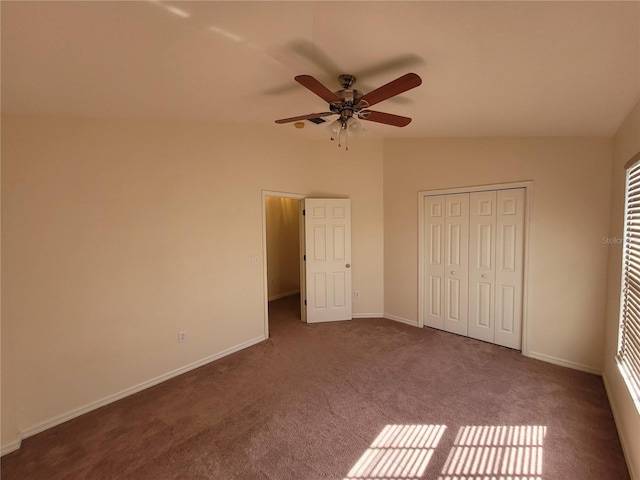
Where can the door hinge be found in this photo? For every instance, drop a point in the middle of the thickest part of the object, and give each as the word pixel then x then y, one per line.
pixel 304 212
pixel 304 257
pixel 305 301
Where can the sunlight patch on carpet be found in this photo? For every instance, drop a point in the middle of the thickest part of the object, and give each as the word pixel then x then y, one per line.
pixel 496 453
pixel 399 452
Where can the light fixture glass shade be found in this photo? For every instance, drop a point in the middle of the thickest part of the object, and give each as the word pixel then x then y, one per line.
pixel 335 127
pixel 354 126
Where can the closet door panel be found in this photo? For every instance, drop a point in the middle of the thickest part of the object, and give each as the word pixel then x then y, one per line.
pixel 509 267
pixel 434 281
pixel 456 269
pixel 482 265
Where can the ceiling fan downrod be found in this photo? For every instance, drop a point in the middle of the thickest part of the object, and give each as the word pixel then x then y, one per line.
pixel 346 81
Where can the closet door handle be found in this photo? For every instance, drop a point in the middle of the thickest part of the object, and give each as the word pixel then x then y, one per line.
pixel 453 272
pixel 484 275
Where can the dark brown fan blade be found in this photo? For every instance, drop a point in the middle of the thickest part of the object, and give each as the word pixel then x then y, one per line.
pixel 304 117
pixel 391 89
pixel 387 118
pixel 316 87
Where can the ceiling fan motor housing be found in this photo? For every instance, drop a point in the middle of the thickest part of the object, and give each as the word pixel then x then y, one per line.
pixel 349 97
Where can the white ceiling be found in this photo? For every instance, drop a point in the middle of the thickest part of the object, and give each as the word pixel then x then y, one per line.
pixel 488 68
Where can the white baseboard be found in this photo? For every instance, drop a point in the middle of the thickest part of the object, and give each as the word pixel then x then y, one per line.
pixel 565 363
pixel 282 295
pixel 11 447
pixel 616 418
pixel 367 315
pixel 135 389
pixel 413 323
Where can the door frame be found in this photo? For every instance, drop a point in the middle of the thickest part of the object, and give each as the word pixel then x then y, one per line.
pixel 265 278
pixel 528 202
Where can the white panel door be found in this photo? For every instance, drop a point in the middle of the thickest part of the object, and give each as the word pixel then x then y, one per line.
pixel 456 269
pixel 482 265
pixel 473 264
pixel 328 259
pixel 509 267
pixel 434 279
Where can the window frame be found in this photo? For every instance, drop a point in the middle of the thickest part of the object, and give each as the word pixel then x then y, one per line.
pixel 628 344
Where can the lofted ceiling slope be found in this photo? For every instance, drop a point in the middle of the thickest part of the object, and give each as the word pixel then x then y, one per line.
pixel 488 68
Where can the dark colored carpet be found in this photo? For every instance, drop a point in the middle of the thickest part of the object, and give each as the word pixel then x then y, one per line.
pixel 364 399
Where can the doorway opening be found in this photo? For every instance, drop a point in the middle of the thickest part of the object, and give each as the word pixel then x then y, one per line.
pixel 283 244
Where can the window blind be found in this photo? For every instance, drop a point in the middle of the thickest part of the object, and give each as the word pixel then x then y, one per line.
pixel 629 334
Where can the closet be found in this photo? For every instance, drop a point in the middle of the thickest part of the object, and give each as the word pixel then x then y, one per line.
pixel 473 264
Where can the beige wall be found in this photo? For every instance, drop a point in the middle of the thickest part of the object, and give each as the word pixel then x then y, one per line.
pixel 570 215
pixel 283 246
pixel 9 434
pixel 8 419
pixel 626 144
pixel 118 234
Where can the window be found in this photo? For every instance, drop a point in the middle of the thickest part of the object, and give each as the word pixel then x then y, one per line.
pixel 629 334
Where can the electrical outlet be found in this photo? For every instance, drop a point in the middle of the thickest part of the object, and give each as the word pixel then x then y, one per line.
pixel 254 260
pixel 182 336
pixel 356 294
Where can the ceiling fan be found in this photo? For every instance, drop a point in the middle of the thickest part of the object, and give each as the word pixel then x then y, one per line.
pixel 352 104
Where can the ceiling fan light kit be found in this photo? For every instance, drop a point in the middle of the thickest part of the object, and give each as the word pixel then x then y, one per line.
pixel 340 129
pixel 352 105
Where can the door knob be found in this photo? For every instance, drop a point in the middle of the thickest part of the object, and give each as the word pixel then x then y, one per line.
pixel 453 272
pixel 348 265
pixel 484 275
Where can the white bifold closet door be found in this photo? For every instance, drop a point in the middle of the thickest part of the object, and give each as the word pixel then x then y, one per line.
pixel 474 264
pixel 447 238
